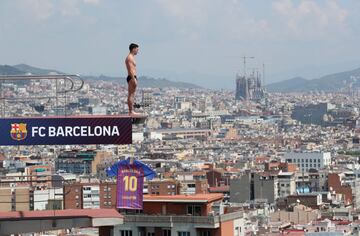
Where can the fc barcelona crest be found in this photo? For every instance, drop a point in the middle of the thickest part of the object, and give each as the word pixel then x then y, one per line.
pixel 18 131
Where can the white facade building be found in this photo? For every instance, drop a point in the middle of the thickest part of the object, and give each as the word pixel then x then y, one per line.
pixel 286 184
pixel 308 160
pixel 91 197
pixel 43 197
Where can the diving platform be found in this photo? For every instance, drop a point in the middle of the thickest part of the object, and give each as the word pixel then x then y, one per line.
pixel 64 129
pixel 138 119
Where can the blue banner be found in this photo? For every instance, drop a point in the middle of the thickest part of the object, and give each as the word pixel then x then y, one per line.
pixel 66 130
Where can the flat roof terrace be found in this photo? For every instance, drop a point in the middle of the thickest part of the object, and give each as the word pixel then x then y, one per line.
pixel 18 222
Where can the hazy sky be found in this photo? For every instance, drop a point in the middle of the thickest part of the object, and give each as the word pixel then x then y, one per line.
pixel 183 39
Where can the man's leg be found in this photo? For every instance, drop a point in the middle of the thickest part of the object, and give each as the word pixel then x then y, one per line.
pixel 131 95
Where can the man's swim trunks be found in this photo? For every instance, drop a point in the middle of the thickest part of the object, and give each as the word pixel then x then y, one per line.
pixel 129 78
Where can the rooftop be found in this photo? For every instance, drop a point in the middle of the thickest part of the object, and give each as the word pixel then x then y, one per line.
pixel 220 189
pixel 199 198
pixel 71 213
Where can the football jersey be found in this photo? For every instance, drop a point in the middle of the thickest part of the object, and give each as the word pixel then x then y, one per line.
pixel 130 182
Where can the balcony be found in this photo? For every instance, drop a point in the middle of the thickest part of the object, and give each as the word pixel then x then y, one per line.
pixel 209 222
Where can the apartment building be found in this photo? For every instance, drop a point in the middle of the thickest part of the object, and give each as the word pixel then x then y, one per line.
pixel 163 187
pixel 308 160
pixel 286 184
pixel 183 215
pixel 254 187
pixel 85 196
pixel 16 198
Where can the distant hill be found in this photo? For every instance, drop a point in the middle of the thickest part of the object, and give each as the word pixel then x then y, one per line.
pixel 145 81
pixel 332 82
pixel 35 70
pixel 162 82
pixel 10 70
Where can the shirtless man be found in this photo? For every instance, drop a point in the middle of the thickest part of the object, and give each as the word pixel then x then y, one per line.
pixel 131 78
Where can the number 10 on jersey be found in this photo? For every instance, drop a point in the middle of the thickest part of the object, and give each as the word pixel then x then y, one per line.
pixel 130 183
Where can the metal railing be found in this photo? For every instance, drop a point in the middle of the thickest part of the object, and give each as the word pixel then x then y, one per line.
pixel 207 220
pixel 231 216
pixel 60 86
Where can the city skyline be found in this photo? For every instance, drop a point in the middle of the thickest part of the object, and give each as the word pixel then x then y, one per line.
pixel 292 156
pixel 183 40
pixel 196 136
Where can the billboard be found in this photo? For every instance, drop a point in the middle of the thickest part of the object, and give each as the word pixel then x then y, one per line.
pixel 66 130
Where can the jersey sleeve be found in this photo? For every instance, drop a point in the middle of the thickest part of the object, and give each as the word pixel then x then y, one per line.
pixel 148 172
pixel 112 171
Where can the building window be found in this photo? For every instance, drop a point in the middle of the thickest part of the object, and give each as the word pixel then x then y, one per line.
pixel 180 233
pixel 206 233
pixel 194 210
pixel 166 232
pixel 237 231
pixel 125 233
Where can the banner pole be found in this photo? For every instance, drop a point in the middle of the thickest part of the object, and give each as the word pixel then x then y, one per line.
pixel 132 157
